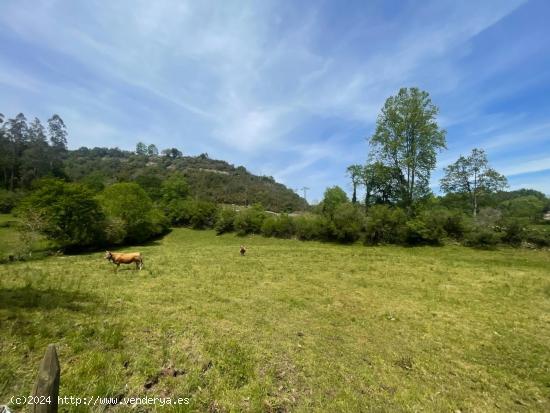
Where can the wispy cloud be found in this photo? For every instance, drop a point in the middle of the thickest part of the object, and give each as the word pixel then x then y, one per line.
pixel 265 84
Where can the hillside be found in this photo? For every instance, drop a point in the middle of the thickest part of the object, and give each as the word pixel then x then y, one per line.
pixel 209 179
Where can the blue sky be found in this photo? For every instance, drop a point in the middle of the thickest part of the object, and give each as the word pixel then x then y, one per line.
pixel 289 89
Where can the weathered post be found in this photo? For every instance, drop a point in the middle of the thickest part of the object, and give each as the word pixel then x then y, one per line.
pixel 46 388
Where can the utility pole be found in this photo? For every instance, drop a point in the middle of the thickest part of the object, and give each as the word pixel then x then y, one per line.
pixel 305 189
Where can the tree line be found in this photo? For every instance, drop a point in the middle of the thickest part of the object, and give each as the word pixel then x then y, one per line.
pixel 29 151
pixel 105 196
pixel 396 178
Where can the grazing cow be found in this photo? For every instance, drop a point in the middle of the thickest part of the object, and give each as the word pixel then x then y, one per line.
pixel 243 250
pixel 124 258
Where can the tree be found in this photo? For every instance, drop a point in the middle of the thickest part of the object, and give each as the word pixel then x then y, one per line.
pixel 58 133
pixel 172 153
pixel 66 213
pixel 334 196
pixel 349 222
pixel 130 205
pixel 355 172
pixel 16 131
pixel 36 159
pixel 174 187
pixel 380 183
pixel 141 149
pixel 152 150
pixel 407 139
pixel 472 175
pixel 529 207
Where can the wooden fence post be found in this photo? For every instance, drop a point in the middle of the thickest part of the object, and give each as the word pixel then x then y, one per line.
pixel 47 383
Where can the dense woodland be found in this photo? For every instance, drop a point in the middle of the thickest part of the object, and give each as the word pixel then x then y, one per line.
pixel 88 198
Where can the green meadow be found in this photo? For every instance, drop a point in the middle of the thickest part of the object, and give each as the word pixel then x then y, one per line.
pixel 291 326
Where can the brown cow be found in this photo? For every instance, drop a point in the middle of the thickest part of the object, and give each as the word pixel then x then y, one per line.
pixel 124 258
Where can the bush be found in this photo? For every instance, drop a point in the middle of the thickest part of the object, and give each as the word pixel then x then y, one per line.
pixel 191 212
pixel 225 220
pixel 424 231
pixel 130 210
pixel 482 237
pixel 456 225
pixel 278 226
pixel 348 223
pixel 65 213
pixel 333 197
pixel 385 225
pixel 538 235
pixel 250 220
pixel 529 207
pixel 513 231
pixel 434 225
pixel 203 214
pixel 8 200
pixel 310 227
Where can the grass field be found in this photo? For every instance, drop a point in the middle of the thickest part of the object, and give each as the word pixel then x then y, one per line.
pixel 11 243
pixel 292 326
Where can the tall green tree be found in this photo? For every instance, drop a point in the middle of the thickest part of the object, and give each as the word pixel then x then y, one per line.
pixel 355 173
pixel 58 133
pixel 334 196
pixel 407 139
pixel 380 183
pixel 473 176
pixel 141 149
pixel 17 134
pixel 36 159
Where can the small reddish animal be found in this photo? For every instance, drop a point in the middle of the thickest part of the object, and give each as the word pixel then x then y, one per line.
pixel 125 258
pixel 243 250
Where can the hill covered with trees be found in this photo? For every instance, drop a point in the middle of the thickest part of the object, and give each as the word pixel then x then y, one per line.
pixel 29 151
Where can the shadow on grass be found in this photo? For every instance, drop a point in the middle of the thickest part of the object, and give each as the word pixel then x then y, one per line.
pixel 29 297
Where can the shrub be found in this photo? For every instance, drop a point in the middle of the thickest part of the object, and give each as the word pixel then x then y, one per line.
pixel 333 197
pixel 278 226
pixel 456 225
pixel 250 220
pixel 538 235
pixel 385 225
pixel 513 231
pixel 310 227
pixel 65 213
pixel 423 231
pixel 482 237
pixel 8 200
pixel 348 223
pixel 225 220
pixel 432 226
pixel 128 207
pixel 529 207
pixel 191 212
pixel 203 214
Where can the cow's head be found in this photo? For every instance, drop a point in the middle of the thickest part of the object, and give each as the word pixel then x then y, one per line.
pixel 108 255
